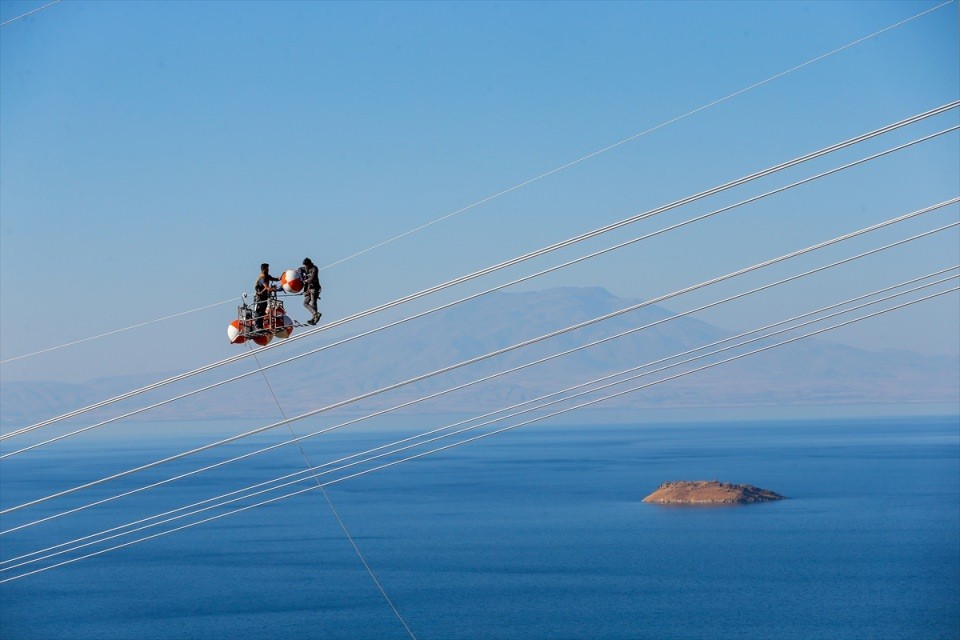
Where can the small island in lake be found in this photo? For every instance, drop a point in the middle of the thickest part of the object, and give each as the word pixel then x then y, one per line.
pixel 709 492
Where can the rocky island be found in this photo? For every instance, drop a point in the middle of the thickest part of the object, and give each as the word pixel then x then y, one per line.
pixel 709 492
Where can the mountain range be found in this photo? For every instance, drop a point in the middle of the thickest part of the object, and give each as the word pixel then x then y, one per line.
pixel 810 371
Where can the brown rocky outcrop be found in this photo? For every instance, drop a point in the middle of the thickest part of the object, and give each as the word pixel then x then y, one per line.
pixel 709 492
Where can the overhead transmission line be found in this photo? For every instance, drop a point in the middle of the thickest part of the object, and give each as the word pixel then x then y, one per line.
pixel 480 380
pixel 30 13
pixel 584 385
pixel 480 358
pixel 621 381
pixel 110 534
pixel 487 378
pixel 644 386
pixel 529 181
pixel 640 134
pixel 619 374
pixel 502 265
pixel 481 436
pixel 115 331
pixel 244 375
pixel 516 281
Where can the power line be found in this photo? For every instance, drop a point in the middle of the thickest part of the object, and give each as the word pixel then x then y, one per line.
pixel 637 135
pixel 115 331
pixel 38 9
pixel 448 305
pixel 621 393
pixel 482 436
pixel 488 377
pixel 312 470
pixel 321 486
pixel 495 353
pixel 503 265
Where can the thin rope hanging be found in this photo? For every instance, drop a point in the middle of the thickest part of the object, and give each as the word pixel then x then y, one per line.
pixel 333 509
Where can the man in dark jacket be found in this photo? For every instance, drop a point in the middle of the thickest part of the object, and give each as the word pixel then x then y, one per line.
pixel 263 289
pixel 311 288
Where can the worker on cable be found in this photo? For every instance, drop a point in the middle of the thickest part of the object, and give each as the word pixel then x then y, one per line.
pixel 310 276
pixel 263 289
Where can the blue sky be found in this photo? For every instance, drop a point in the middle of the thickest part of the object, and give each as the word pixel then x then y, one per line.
pixel 152 154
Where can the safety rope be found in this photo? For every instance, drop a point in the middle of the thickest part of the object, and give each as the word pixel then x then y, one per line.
pixel 333 509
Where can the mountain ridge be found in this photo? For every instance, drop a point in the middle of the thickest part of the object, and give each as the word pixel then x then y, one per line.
pixel 806 372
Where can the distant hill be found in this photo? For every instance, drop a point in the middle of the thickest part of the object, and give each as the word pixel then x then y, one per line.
pixel 807 372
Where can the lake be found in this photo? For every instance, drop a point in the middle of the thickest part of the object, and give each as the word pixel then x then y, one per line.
pixel 535 533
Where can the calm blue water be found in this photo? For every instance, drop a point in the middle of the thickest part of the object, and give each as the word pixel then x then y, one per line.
pixel 539 533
